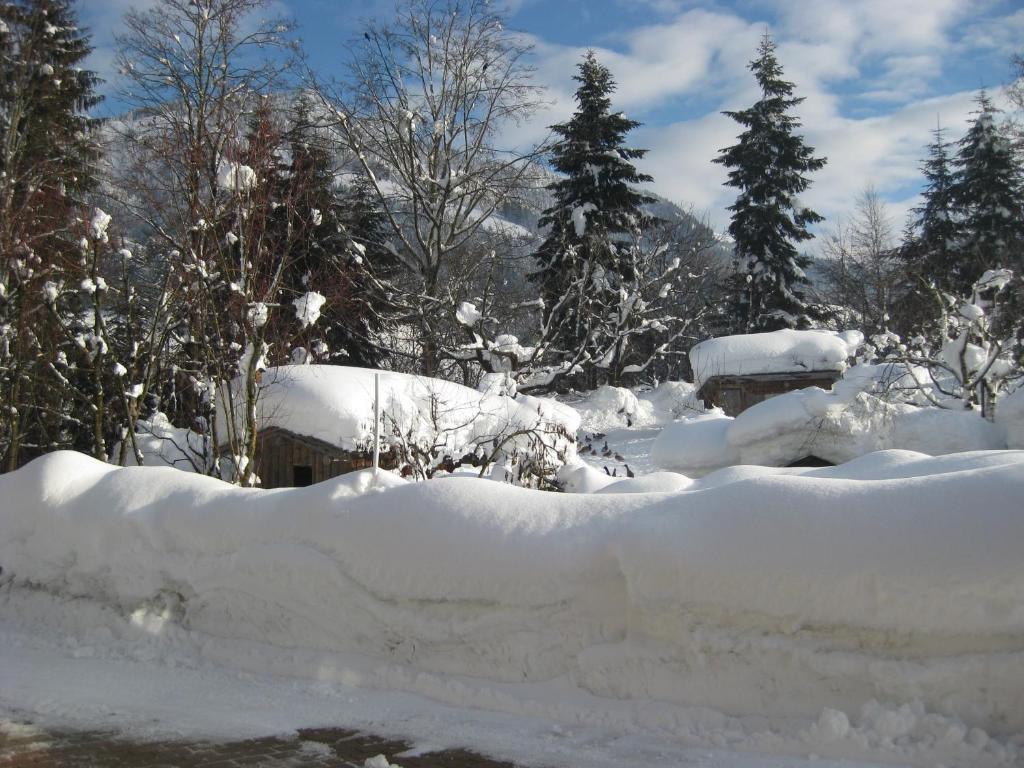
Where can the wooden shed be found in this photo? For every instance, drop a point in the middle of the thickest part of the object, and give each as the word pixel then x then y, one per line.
pixel 736 372
pixel 735 393
pixel 287 460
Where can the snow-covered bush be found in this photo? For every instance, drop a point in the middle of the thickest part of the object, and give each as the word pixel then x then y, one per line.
pixel 975 355
pixel 428 425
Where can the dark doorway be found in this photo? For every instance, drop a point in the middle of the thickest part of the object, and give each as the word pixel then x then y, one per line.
pixel 301 476
pixel 811 461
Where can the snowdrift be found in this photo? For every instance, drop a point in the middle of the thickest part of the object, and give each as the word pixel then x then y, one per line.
pixel 836 425
pixel 752 592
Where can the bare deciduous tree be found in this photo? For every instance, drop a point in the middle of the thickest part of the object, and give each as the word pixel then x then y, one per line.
pixel 862 265
pixel 200 176
pixel 425 101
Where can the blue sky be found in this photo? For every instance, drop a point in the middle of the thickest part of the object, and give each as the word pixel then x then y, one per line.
pixel 876 75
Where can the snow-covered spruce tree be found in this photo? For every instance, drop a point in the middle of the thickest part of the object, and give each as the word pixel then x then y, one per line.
pixel 931 244
pixel 47 157
pixel 989 193
pixel 427 95
pixel 587 257
pixel 769 166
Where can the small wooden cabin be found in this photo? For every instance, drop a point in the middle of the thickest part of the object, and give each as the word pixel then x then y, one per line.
pixel 736 372
pixel 287 460
pixel 735 393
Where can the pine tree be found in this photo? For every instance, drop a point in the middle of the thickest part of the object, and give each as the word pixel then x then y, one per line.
pixel 373 271
pixel 769 166
pixel 934 249
pixel 988 190
pixel 338 249
pixel 586 252
pixel 46 168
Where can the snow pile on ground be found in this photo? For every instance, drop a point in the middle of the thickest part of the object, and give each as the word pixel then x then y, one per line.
pixel 161 444
pixel 608 407
pixel 1010 416
pixel 784 351
pixel 848 421
pixel 847 611
pixel 617 428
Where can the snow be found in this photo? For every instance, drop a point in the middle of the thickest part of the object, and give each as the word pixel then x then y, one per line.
pixel 99 224
pixel 852 419
pixel 610 407
pixel 1010 416
pixel 867 611
pixel 258 314
pixel 784 351
pixel 628 422
pixel 235 177
pixel 307 308
pixel 579 218
pixel 467 314
pixel 335 404
pixel 161 444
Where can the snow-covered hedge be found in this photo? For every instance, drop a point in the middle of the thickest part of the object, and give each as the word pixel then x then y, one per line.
pixel 896 577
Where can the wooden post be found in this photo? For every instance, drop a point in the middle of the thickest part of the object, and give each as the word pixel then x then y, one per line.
pixel 376 424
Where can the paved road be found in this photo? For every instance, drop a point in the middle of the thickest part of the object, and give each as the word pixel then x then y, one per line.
pixel 320 748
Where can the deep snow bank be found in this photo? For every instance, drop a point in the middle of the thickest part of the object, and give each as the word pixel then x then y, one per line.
pixel 896 577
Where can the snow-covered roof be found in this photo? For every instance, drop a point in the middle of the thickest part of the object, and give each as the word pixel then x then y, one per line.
pixel 335 404
pixel 784 351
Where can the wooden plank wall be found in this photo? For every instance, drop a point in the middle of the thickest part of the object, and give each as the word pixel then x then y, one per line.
pixel 279 451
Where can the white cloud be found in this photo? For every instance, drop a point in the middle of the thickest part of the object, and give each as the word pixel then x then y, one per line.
pixel 868 71
pixel 872 73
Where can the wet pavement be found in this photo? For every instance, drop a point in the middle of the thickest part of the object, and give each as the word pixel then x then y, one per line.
pixel 24 746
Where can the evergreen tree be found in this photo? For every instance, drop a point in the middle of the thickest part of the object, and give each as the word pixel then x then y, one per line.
pixel 768 166
pixel 373 271
pixel 46 168
pixel 934 246
pixel 931 245
pixel 988 190
pixel 586 253
pixel 338 248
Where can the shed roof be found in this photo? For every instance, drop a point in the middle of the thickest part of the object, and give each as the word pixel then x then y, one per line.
pixel 785 351
pixel 334 404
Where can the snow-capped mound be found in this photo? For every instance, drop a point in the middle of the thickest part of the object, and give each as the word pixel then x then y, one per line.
pixel 896 577
pixel 837 426
pixel 609 407
pixel 784 351
pixel 335 404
